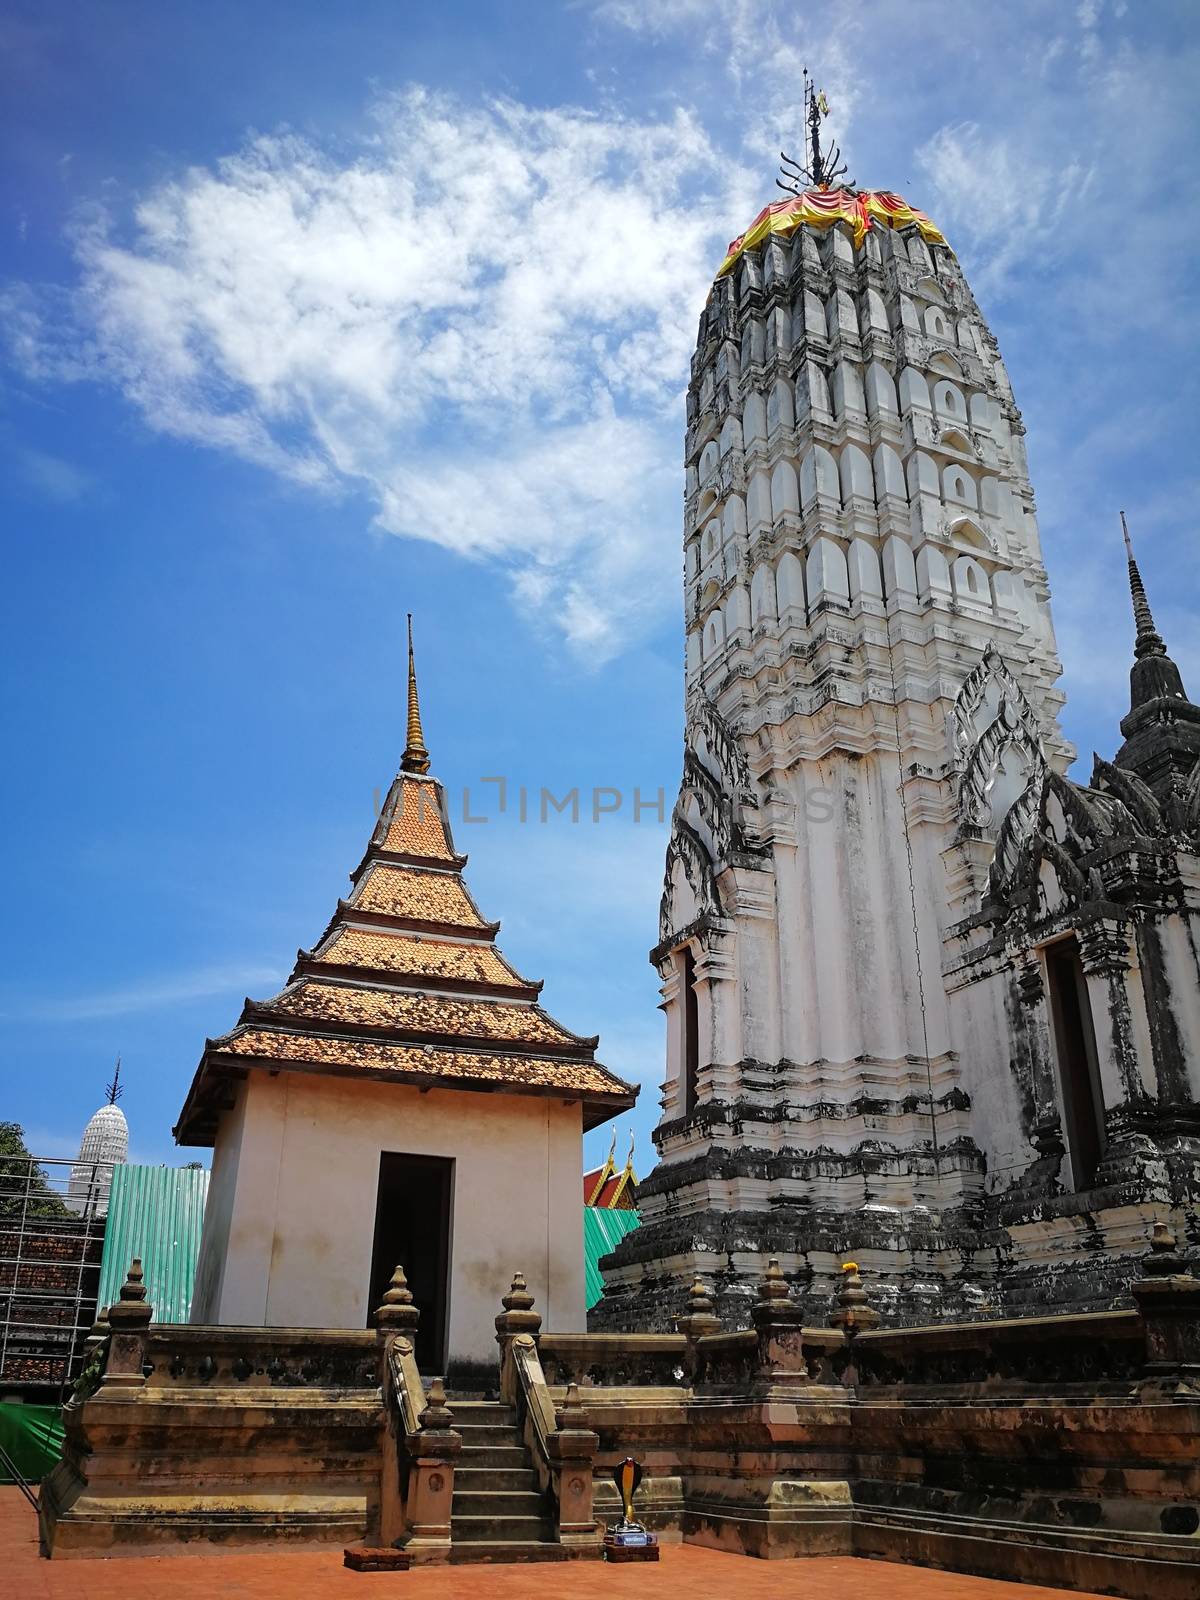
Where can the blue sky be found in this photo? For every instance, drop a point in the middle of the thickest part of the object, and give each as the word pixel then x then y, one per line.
pixel 313 315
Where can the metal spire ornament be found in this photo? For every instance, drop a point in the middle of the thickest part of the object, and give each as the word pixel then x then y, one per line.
pixel 416 757
pixel 825 167
pixel 114 1090
pixel 1149 640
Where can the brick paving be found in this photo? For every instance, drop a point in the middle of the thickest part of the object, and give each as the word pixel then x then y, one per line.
pixel 318 1575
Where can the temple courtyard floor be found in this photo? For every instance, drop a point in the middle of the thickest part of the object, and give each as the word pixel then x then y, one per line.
pixel 308 1574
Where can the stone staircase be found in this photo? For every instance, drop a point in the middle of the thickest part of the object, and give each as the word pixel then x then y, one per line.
pixel 498 1512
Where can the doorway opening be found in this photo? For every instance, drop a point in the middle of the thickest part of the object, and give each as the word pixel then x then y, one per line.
pixel 412 1230
pixel 1078 1072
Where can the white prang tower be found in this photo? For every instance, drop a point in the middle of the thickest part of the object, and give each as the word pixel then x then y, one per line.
pixel 871 680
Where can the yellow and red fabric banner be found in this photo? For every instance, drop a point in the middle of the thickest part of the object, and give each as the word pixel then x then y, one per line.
pixel 821 208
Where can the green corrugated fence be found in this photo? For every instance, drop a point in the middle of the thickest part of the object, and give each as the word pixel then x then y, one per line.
pixel 602 1232
pixel 156 1213
pixel 32 1436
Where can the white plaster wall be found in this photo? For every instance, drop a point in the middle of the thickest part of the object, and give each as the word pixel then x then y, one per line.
pixel 218 1213
pixel 301 1228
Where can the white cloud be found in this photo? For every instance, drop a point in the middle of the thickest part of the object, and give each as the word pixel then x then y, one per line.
pixel 148 994
pixel 483 316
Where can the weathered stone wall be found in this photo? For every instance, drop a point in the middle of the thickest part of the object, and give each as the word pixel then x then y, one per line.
pixel 1058 1450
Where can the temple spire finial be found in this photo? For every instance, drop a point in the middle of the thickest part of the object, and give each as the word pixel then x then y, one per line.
pixel 1149 640
pixel 825 167
pixel 114 1090
pixel 416 756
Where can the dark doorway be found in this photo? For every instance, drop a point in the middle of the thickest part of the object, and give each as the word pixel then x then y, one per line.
pixel 1079 1077
pixel 412 1230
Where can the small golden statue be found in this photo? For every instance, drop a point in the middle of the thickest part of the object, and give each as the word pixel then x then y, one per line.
pixel 628 1540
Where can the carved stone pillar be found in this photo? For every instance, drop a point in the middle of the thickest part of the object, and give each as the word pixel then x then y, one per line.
pixel 779 1323
pixel 701 1319
pixel 853 1314
pixel 1168 1298
pixel 129 1317
pixel 396 1321
pixel 1104 954
pixel 1046 1134
pixel 431 1481
pixel 572 1450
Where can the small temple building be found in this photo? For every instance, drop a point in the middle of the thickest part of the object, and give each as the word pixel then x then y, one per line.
pixel 404 1098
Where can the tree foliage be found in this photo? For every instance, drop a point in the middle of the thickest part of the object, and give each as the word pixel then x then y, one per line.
pixel 24 1186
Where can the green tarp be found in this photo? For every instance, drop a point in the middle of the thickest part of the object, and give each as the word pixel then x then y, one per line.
pixel 602 1232
pixel 32 1436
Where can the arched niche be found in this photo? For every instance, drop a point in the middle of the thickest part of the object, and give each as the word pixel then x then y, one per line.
pixel 855 472
pixel 958 487
pixel 789 586
pixel 764 602
pixel 827 575
pixel 889 473
pixel 781 407
pixel 948 401
pixel 862 564
pixel 971 586
pixel 785 490
pixel 819 478
pixel 754 417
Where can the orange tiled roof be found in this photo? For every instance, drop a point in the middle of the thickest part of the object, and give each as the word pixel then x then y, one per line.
pixel 386 1008
pixel 412 820
pixel 417 958
pixel 414 1060
pixel 412 893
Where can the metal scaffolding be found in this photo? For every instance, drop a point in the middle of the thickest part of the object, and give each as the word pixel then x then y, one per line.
pixel 51 1243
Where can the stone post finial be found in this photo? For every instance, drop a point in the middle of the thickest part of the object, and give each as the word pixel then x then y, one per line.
pixel 518 1315
pixel 773 1288
pixel 129 1319
pixel 852 1314
pixel 1163 1259
pixel 699 1299
pixel 131 1311
pixel 572 1414
pixel 779 1322
pixel 396 1312
pixel 699 1319
pixel 436 1416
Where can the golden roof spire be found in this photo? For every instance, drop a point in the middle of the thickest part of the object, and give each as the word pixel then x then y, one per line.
pixel 416 757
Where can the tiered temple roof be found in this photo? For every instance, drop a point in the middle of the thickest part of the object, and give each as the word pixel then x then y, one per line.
pixel 406 984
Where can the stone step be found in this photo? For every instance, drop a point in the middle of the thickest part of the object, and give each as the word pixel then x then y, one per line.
pixel 493 1457
pixel 496 1503
pixel 474 1480
pixel 482 1529
pixel 490 1437
pixel 516 1550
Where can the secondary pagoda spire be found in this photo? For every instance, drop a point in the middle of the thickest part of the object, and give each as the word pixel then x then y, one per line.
pixel 416 756
pixel 1149 640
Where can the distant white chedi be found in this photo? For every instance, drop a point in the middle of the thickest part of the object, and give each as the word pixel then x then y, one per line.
pixel 105 1144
